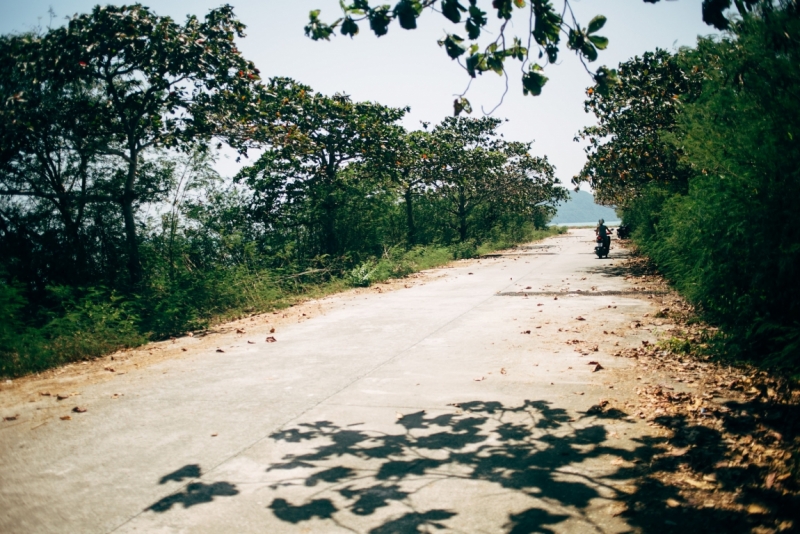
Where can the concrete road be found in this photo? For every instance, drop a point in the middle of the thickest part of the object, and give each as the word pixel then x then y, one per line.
pixel 465 404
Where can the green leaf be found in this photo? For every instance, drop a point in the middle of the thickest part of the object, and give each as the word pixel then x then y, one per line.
pixel 407 12
pixel 533 81
pixel 316 29
pixel 349 27
pixel 379 20
pixel 547 24
pixel 461 104
pixel 476 64
pixel 504 8
pixel 495 63
pixel 552 52
pixel 596 23
pixel 477 19
pixel 452 43
pixel 600 42
pixel 576 39
pixel 589 51
pixel 452 10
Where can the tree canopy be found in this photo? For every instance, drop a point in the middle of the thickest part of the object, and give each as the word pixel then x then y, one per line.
pixel 698 151
pixel 541 32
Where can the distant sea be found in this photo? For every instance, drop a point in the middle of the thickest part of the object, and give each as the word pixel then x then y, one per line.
pixel 590 223
pixel 581 210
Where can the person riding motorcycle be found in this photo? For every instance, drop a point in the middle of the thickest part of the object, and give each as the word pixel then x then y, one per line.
pixel 603 232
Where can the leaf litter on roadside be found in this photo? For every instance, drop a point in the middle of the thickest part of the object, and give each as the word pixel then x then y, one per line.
pixel 730 434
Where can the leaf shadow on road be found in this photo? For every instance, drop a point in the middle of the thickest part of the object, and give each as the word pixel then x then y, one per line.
pixel 193 493
pixel 563 473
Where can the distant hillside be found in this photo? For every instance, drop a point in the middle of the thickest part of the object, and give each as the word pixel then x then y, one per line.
pixel 580 208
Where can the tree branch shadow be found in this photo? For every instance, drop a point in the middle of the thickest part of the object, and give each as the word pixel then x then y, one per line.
pixel 531 449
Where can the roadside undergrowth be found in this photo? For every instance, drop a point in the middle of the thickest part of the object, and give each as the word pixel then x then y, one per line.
pixel 730 456
pixel 90 323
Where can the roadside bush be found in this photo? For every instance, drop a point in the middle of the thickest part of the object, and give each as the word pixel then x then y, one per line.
pixel 731 243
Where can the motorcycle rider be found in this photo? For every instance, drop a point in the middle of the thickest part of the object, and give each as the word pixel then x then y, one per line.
pixel 602 231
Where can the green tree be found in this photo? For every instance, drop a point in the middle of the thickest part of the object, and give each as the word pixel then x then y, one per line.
pixel 307 141
pixel 408 163
pixel 153 83
pixel 732 243
pixel 629 148
pixel 709 176
pixel 528 186
pixel 475 171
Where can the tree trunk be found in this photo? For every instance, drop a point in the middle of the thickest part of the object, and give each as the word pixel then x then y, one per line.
pixel 412 231
pixel 72 230
pixel 462 216
pixel 330 244
pixel 134 264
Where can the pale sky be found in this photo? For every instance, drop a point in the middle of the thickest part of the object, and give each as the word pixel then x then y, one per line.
pixel 407 68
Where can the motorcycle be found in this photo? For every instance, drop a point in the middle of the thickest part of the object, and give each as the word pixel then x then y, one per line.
pixel 603 246
pixel 624 231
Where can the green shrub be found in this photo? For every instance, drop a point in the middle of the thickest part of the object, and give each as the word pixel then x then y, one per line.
pixel 363 274
pixel 92 325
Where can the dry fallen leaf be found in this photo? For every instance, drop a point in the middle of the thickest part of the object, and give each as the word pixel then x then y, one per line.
pixel 220 350
pixel 45 393
pixel 79 409
pixel 593 363
pixel 503 371
pixel 214 435
pixel 183 349
pixel 239 331
pixel 699 484
pixel 756 509
pixel 617 509
pixel 579 318
pixel 597 367
pixel 65 417
pixel 62 396
pixel 479 379
pixel 251 342
pixel 11 417
pixel 672 503
pixel 272 330
pixel 271 339
pixel 110 369
pixel 525 332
